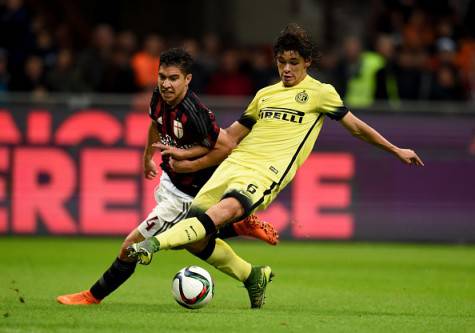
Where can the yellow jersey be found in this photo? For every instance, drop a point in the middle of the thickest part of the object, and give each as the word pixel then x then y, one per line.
pixel 285 124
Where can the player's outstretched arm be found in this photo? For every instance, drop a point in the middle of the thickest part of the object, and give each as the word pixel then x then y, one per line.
pixel 363 131
pixel 237 132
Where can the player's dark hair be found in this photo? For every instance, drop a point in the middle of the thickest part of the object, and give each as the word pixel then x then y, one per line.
pixel 295 38
pixel 177 57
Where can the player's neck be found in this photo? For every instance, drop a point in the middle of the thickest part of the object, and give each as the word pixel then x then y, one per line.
pixel 301 79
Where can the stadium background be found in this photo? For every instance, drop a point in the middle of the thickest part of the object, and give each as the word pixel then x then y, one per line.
pixel 76 76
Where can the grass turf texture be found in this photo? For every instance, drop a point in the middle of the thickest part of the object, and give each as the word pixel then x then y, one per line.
pixel 324 287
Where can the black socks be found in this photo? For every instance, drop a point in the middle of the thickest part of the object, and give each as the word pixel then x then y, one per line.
pixel 115 275
pixel 227 231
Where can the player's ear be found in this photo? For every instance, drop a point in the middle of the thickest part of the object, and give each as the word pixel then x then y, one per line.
pixel 188 78
pixel 307 63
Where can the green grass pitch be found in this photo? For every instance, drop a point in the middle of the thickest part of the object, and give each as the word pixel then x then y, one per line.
pixel 319 287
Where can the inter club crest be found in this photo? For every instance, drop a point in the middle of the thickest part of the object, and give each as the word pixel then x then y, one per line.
pixel 178 129
pixel 301 97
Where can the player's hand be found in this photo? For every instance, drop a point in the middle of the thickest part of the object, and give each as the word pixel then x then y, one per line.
pixel 143 251
pixel 149 169
pixel 409 156
pixel 184 166
pixel 174 152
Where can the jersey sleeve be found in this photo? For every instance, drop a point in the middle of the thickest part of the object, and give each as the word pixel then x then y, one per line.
pixel 205 126
pixel 153 111
pixel 249 117
pixel 332 105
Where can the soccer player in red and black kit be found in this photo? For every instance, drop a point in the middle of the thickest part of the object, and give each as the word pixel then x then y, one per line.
pixel 183 128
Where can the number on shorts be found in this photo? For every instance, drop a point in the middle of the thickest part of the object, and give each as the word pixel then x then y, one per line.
pixel 251 188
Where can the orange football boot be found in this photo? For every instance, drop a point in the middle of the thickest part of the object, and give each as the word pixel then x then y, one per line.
pixel 253 227
pixel 82 298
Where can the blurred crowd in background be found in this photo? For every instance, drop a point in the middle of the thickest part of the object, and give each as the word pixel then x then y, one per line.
pixel 410 51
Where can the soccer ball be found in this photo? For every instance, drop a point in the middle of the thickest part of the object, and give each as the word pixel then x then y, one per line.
pixel 193 287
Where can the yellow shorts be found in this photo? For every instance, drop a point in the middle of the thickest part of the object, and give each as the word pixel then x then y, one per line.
pixel 252 189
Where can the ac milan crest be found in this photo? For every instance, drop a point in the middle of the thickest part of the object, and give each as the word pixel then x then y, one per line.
pixel 178 129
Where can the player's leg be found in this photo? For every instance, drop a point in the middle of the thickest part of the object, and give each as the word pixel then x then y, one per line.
pixel 219 254
pixel 222 257
pixel 238 200
pixel 226 197
pixel 190 230
pixel 119 272
pixel 172 205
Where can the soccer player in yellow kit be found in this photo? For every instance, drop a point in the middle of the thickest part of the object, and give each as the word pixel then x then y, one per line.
pixel 276 134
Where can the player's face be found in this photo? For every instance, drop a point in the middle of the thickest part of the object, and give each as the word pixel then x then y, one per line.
pixel 292 67
pixel 173 84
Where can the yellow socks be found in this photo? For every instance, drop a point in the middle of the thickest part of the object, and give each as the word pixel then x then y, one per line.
pixel 192 230
pixel 182 233
pixel 224 259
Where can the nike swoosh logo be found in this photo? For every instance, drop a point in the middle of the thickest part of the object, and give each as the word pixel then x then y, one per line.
pixel 193 229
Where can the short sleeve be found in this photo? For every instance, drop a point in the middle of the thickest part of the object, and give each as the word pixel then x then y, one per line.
pixel 332 105
pixel 249 117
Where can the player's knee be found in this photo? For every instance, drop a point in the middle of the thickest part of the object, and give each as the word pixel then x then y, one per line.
pixel 238 202
pixel 227 210
pixel 234 207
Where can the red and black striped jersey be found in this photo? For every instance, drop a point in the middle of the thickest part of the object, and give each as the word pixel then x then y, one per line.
pixel 188 123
